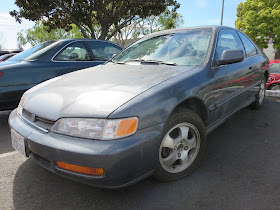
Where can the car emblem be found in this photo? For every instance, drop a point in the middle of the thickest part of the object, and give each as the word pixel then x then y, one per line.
pixel 33 118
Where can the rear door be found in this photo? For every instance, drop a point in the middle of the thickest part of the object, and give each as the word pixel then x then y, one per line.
pixel 231 78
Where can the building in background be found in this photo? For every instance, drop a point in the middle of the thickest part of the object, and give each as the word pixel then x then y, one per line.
pixel 270 51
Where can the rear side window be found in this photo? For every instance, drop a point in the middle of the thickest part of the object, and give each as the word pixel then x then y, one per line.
pixel 74 52
pixel 103 51
pixel 274 68
pixel 249 47
pixel 27 54
pixel 228 40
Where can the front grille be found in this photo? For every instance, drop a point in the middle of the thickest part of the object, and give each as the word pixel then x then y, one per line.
pixel 36 121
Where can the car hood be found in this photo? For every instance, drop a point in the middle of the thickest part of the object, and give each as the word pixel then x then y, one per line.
pixel 95 92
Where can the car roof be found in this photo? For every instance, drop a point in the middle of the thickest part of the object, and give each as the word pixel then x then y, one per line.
pixel 215 27
pixel 86 39
pixel 83 39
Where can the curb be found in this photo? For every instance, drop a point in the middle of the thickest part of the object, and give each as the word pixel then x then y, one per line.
pixel 272 93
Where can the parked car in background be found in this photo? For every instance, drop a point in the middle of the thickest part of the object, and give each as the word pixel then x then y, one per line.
pixel 146 112
pixel 6 57
pixel 3 52
pixel 48 60
pixel 273 82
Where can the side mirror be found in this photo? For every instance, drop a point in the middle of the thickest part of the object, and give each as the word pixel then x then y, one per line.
pixel 231 56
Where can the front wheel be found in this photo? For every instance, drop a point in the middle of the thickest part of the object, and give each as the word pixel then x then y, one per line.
pixel 260 96
pixel 182 146
pixel 275 87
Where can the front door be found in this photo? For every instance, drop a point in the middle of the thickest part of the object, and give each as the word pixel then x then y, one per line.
pixel 230 79
pixel 74 57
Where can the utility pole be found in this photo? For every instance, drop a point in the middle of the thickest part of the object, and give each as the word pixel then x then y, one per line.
pixel 222 13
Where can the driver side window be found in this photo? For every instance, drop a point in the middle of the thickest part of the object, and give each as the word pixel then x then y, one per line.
pixel 74 52
pixel 228 40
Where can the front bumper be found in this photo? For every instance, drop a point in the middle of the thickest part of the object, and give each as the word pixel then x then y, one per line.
pixel 125 161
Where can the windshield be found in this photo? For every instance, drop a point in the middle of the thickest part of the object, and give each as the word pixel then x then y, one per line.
pixel 25 54
pixel 181 48
pixel 275 68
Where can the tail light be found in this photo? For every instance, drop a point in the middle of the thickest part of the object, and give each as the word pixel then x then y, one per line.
pixel 1 73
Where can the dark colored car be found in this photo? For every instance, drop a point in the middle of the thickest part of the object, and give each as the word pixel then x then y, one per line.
pixel 6 57
pixel 146 112
pixel 274 79
pixel 48 60
pixel 4 52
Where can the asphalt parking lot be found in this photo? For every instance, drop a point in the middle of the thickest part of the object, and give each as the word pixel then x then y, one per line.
pixel 240 170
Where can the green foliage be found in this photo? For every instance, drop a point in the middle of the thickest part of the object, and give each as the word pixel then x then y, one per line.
pixel 167 20
pixel 110 15
pixel 260 19
pixel 39 33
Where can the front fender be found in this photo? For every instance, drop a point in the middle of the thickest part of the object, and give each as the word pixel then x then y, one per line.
pixel 155 105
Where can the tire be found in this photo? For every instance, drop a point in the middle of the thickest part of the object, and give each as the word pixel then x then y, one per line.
pixel 260 96
pixel 275 87
pixel 182 147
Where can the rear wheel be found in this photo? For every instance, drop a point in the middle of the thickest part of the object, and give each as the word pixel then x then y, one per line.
pixel 260 96
pixel 182 146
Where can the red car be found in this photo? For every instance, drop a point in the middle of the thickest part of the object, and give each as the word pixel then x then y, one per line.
pixel 274 79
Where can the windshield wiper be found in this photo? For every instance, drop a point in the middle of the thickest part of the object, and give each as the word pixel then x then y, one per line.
pixel 111 60
pixel 130 60
pixel 167 63
pixel 142 61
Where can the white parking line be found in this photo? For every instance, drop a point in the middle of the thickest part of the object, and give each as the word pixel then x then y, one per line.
pixel 8 154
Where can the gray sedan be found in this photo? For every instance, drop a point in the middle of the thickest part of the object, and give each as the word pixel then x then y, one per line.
pixel 146 112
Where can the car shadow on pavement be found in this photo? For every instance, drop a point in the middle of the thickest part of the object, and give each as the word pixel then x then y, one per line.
pixel 240 170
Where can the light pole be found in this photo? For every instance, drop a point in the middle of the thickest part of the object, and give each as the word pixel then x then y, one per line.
pixel 222 12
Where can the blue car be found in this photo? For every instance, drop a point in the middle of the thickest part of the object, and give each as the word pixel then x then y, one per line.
pixel 48 60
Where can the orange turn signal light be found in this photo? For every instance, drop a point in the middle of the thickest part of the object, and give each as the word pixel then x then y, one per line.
pixel 127 126
pixel 80 169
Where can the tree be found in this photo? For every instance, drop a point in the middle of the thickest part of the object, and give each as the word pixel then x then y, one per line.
pixel 259 19
pixel 167 20
pixel 110 15
pixel 39 33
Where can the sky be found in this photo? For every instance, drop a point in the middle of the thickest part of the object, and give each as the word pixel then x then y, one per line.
pixel 194 12
pixel 208 12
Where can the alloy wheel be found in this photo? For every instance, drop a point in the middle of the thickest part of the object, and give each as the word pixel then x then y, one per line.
pixel 262 92
pixel 179 148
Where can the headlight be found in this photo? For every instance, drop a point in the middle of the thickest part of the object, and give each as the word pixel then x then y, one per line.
pixel 96 128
